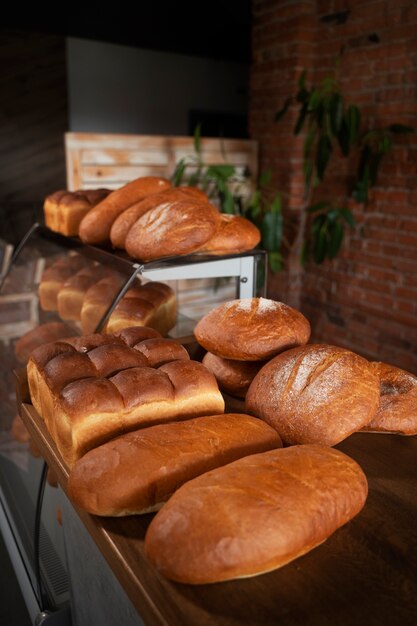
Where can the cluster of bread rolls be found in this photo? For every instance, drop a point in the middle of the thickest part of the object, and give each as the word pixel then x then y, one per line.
pixel 150 219
pixel 82 292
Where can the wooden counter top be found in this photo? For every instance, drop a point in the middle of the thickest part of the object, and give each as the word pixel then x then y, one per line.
pixel 366 573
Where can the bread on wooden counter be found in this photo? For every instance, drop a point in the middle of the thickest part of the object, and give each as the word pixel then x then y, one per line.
pixel 95 226
pixel 139 471
pixel 255 514
pixel 98 388
pixel 397 410
pixel 315 393
pixel 251 329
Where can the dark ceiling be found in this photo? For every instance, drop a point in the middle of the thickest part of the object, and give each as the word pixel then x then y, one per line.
pixel 215 29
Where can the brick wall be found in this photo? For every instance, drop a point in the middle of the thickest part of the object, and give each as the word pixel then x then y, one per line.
pixel 33 106
pixel 366 299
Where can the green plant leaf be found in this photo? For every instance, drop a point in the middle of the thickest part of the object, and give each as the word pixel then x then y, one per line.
pixel 178 174
pixel 343 137
pixel 280 114
pixel 228 202
pixel 307 171
pixel 401 129
pixel 319 206
pixel 276 262
pixel 353 119
pixel 324 150
pixel 220 172
pixel 318 223
pixel 385 144
pixel 348 216
pixel 335 238
pixel 265 178
pixel 197 138
pixel 309 140
pixel 301 118
pixel 314 99
pixel 302 80
pixel 195 178
pixel 373 167
pixel 271 230
pixel 336 113
pixel 320 244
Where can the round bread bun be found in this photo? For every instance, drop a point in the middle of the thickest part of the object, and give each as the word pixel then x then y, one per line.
pixel 315 394
pixel 233 377
pixel 397 411
pixel 235 234
pixel 252 329
pixel 172 229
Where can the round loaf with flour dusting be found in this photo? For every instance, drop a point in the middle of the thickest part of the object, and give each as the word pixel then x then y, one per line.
pixel 252 329
pixel 315 394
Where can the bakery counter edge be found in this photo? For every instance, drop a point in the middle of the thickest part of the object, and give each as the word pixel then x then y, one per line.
pixel 365 573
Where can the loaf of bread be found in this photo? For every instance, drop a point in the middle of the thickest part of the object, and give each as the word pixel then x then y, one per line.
pixel 152 304
pixel 315 394
pixel 44 333
pixel 91 389
pixel 54 277
pixel 95 226
pixel 123 223
pixel 97 300
pixel 172 229
pixel 139 471
pixel 233 377
pixel 255 514
pixel 64 210
pixel 72 293
pixel 397 411
pixel 251 329
pixel 235 234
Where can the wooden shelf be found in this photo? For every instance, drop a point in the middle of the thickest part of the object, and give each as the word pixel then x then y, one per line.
pixel 366 573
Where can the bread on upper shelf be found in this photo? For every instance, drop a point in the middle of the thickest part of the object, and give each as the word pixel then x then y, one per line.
pixel 137 472
pixel 64 210
pixel 91 389
pixel 255 514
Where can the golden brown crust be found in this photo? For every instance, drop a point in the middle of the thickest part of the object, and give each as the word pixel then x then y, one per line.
pixel 251 329
pixel 315 394
pixel 254 515
pixel 95 226
pixel 90 389
pixel 235 234
pixel 54 277
pixel 137 472
pixel 233 377
pixel 124 222
pixel 397 411
pixel 64 210
pixel 72 293
pixel 169 230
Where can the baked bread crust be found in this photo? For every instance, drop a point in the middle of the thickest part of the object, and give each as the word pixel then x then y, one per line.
pixel 124 222
pixel 235 234
pixel 251 329
pixel 254 515
pixel 139 471
pixel 54 277
pixel 64 210
pixel 397 411
pixel 315 394
pixel 233 377
pixel 90 389
pixel 178 228
pixel 95 226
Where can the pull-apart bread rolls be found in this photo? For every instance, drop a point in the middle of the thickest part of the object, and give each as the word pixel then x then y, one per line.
pixel 315 394
pixel 64 210
pixel 171 229
pixel 72 293
pixel 97 299
pixel 255 514
pixel 95 226
pixel 235 234
pixel 125 221
pixel 397 411
pixel 151 304
pixel 94 390
pixel 233 377
pixel 54 277
pixel 251 329
pixel 139 471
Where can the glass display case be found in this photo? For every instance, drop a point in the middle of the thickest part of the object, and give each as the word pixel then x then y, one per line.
pixel 30 509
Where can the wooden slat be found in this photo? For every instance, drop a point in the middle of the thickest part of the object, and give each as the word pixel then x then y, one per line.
pixel 124 157
pixel 121 173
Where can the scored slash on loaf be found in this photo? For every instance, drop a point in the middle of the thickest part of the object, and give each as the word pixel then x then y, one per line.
pixel 139 471
pixel 255 514
pixel 91 389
